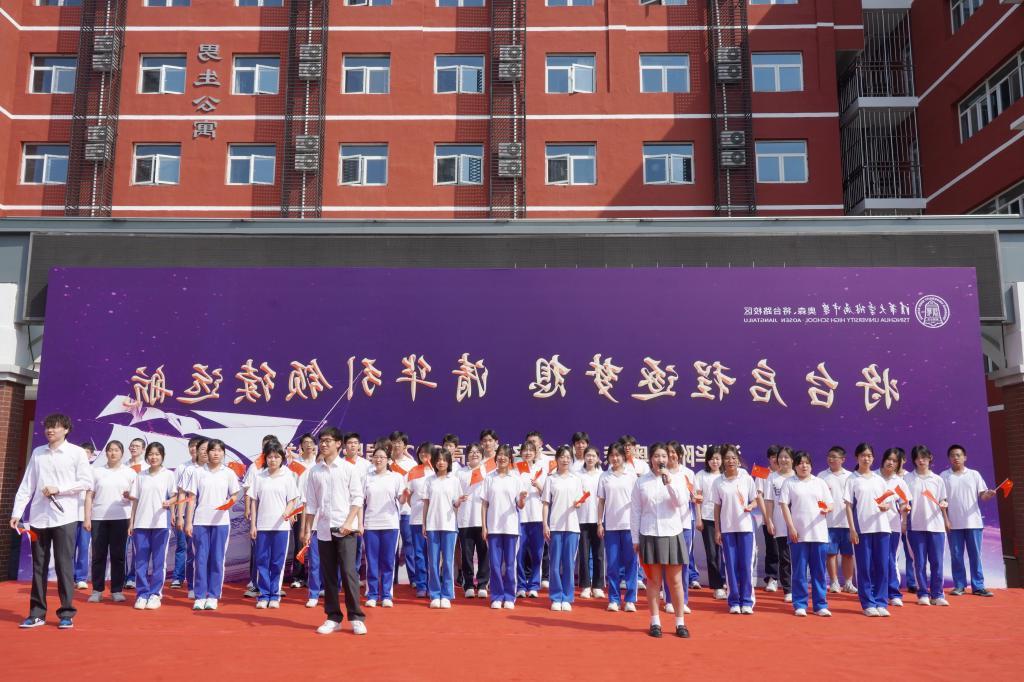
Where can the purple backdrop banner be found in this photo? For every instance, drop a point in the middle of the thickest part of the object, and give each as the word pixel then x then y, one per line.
pixel 807 357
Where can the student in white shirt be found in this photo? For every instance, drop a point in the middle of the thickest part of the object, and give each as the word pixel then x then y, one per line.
pixel 385 493
pixel 614 497
pixel 892 465
pixel 771 547
pixel 185 478
pixel 927 525
pixel 773 489
pixel 839 545
pixel 531 526
pixel 107 512
pixel 416 483
pixel 591 551
pixel 153 493
pixel 441 499
pixel 136 461
pixel 676 467
pixel 580 444
pixel 470 522
pixel 83 536
pixel 305 461
pixel 656 530
pixel 181 542
pixel 869 532
pixel 55 475
pixel 501 498
pixel 354 455
pixel 274 494
pixel 561 499
pixel 965 488
pixel 210 488
pixel 806 501
pixel 703 482
pixel 735 496
pixel 402 463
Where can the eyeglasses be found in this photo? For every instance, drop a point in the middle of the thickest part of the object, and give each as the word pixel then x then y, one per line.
pixel 329 440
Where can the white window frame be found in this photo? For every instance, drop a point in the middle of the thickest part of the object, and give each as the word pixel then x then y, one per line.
pixel 572 70
pixel 666 3
pixel 988 99
pixel 570 160
pixel 261 3
pixel 46 158
pixel 366 71
pixel 776 70
pixel 167 3
pixel 664 69
pixel 258 71
pixel 364 159
pixel 962 10
pixel 163 69
pixel 59 3
pixel 367 3
pixel 463 73
pixel 773 2
pixel 462 3
pixel 252 165
pixel 463 165
pixel 668 158
pixel 156 159
pixel 54 71
pixel 571 3
pixel 781 156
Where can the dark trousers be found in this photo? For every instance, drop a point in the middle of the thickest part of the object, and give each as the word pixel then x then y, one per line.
pixel 472 541
pixel 713 552
pixel 785 565
pixel 771 556
pixel 590 556
pixel 108 538
pixel 340 554
pixel 62 540
pixel 298 568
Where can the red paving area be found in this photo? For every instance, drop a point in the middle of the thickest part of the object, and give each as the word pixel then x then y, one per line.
pixel 973 639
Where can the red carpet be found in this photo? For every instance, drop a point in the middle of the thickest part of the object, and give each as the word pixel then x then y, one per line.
pixel 975 637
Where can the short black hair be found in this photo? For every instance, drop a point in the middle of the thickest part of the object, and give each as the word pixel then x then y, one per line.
pixel 955 446
pixel 531 434
pixel 838 448
pixel 862 448
pixel 87 445
pixel 305 436
pixel 489 432
pixel 580 437
pixel 399 436
pixel 628 440
pixel 158 447
pixel 57 419
pixel 919 451
pixel 894 452
pixel 119 444
pixel 216 443
pixel 194 441
pixel 269 447
pixel 801 455
pixel 425 446
pixel 773 450
pixel 331 432
pixel 450 438
pixel 349 436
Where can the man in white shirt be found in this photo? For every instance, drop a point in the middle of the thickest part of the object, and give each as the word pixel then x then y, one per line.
pixel 56 474
pixel 334 498
pixel 965 488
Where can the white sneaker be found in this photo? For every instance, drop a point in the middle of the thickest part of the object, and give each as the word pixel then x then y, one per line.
pixel 311 603
pixel 140 603
pixel 599 594
pixel 630 607
pixel 387 603
pixel 481 593
pixel 834 588
pixel 328 627
pixel 371 603
pixel 800 612
pixel 825 613
pixel 788 599
pixel 274 604
pixel 296 583
pixel 532 593
pixel 211 605
pixel 871 612
pixel 734 609
pixel 446 604
pixel 941 601
pixel 544 584
pixel 883 612
pixel 521 594
pixel 358 627
pixel 721 594
pixel 435 603
pixel 470 593
pixel 849 587
pixel 686 609
pixel 251 592
pixel 669 608
pixel 641 585
pixel 495 604
pixel 153 602
pixel 747 610
pixel 896 602
pixel 613 606
pixel 261 604
pixel 509 605
pixel 556 606
pixel 199 605
pixel 924 601
pixel 566 606
pixel 694 584
pixel 772 585
pixel 95 597
pixel 191 594
pixel 585 593
pixel 81 585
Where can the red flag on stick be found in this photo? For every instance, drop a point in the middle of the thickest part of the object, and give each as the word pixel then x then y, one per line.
pixel 928 495
pixel 586 496
pixel 297 468
pixel 1006 486
pixel 238 468
pixel 226 506
pixel 884 496
pixel 523 467
pixel 537 475
pixel 759 471
pixel 477 477
pixel 552 465
pixel 32 536
pixel 902 495
pixel 743 500
pixel 137 468
pixel 300 556
pixel 417 472
pixel 295 512
pixel 822 505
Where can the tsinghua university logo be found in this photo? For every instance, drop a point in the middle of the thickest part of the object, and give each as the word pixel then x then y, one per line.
pixel 931 311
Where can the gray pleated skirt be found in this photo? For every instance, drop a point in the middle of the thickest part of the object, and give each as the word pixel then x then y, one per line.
pixel 662 550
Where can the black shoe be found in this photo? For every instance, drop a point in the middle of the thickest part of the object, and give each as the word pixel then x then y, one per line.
pixel 957 592
pixel 655 631
pixel 681 631
pixel 982 593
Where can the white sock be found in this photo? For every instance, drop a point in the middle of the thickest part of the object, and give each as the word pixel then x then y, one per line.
pixel 655 620
pixel 679 621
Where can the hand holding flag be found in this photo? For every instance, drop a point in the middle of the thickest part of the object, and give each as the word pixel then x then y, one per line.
pixel 32 536
pixel 295 512
pixel 1006 486
pixel 537 475
pixel 552 465
pixel 884 496
pixel 300 556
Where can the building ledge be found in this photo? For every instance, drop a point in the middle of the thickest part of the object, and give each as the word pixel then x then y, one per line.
pixel 907 104
pixel 1009 376
pixel 1019 123
pixel 917 204
pixel 13 374
pixel 886 4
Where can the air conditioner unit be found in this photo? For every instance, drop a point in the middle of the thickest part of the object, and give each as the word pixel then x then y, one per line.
pixel 99 134
pixel 731 55
pixel 307 144
pixel 510 168
pixel 510 53
pixel 97 151
pixel 103 43
pixel 732 138
pixel 310 71
pixel 311 52
pixel 510 71
pixel 733 158
pixel 306 163
pixel 510 150
pixel 728 73
pixel 103 62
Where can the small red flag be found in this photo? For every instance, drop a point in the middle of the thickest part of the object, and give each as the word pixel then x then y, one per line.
pixel 523 467
pixel 743 499
pixel 300 556
pixel 759 471
pixel 238 468
pixel 418 472
pixel 226 506
pixel 884 496
pixel 490 464
pixel 1006 486
pixel 32 536
pixel 552 465
pixel 295 512
pixel 902 495
pixel 397 468
pixel 537 475
pixel 297 468
pixel 180 501
pixel 259 461
pixel 586 495
pixel 477 477
pixel 822 505
pixel 137 468
pixel 928 495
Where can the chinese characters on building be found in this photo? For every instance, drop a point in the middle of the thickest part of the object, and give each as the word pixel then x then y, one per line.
pixel 206 103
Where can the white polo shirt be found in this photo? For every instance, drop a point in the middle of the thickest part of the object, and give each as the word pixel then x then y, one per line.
pixel 502 494
pixel 654 508
pixel 617 492
pixel 560 494
pixel 836 483
pixel 272 495
pixel 382 492
pixel 803 497
pixel 150 492
pixel 109 487
pixel 963 490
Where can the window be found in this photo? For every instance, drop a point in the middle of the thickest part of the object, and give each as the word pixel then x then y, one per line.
pixel 53 75
pixel 992 97
pixel 365 75
pixel 664 73
pixel 458 73
pixel 364 164
pixel 251 164
pixel 460 3
pixel 668 163
pixel 458 164
pixel 168 3
pixel 368 3
pixel 1008 203
pixel 157 164
pixel 571 164
pixel 163 75
pixel 260 3
pixel 569 3
pixel 781 161
pixel 59 3
pixel 568 73
pixel 773 2
pixel 961 10
pixel 778 71
pixel 45 164
pixel 256 75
